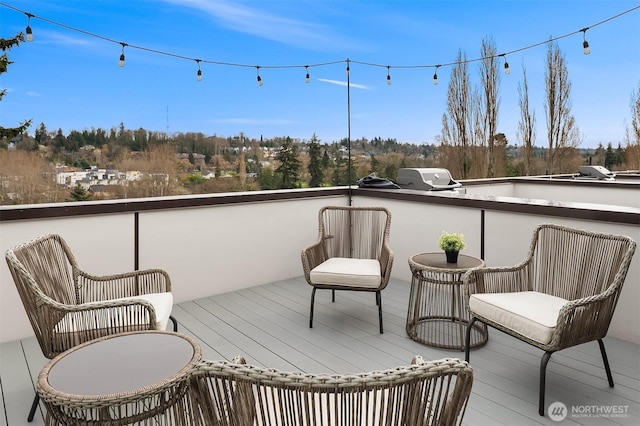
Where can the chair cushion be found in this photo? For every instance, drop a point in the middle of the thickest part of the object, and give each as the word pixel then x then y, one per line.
pixel 162 304
pixel 341 271
pixel 530 313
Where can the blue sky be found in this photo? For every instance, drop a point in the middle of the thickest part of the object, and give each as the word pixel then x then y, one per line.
pixel 71 80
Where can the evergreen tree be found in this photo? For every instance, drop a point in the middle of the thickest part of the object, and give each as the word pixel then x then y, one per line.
pixel 289 167
pixel 315 163
pixel 326 161
pixel 7 44
pixel 80 194
pixel 266 179
pixel 375 165
pixel 610 159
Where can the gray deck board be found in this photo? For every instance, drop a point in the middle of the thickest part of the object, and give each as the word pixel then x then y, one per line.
pixel 269 326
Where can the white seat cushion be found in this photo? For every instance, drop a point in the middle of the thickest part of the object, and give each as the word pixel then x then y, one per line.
pixel 530 313
pixel 364 273
pixel 162 304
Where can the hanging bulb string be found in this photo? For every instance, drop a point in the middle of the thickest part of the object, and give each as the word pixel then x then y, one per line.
pixel 28 29
pixel 178 56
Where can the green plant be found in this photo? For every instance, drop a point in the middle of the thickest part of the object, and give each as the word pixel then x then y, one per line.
pixel 451 241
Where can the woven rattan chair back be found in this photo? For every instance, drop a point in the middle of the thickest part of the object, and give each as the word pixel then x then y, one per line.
pixel 354 232
pixel 423 393
pixel 572 263
pixel 42 269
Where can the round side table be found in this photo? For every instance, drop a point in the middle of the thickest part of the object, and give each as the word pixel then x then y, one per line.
pixel 437 314
pixel 121 379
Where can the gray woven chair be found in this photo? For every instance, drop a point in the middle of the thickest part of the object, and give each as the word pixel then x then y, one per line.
pixel 352 252
pixel 423 393
pixel 68 306
pixel 563 294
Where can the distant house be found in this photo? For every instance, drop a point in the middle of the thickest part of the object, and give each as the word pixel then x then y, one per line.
pixel 198 159
pixel 107 191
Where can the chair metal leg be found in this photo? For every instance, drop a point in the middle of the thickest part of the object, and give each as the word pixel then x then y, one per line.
pixel 333 295
pixel 379 303
pixel 34 407
pixel 467 342
pixel 543 375
pixel 606 362
pixel 175 323
pixel 313 297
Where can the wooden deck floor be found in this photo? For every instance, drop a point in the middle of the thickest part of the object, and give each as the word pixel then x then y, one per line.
pixel 268 324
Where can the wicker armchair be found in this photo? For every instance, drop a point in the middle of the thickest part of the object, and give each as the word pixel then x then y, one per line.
pixel 68 306
pixel 352 252
pixel 423 393
pixel 563 294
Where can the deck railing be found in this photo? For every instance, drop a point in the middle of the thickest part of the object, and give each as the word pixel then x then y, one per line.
pixel 217 243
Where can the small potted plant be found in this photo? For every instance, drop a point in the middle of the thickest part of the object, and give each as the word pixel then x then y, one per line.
pixel 451 243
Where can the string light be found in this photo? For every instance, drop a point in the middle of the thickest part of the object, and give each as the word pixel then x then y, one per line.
pixel 121 61
pixel 28 29
pixel 199 73
pixel 306 78
pixel 507 70
pixel 259 78
pixel 585 44
pixel 388 76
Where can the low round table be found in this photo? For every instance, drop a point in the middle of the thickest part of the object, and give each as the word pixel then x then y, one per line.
pixel 121 379
pixel 437 314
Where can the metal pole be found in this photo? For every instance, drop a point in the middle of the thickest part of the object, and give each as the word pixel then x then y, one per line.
pixel 349 128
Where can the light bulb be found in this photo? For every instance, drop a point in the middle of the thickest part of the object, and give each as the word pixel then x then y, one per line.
pixel 507 70
pixel 121 61
pixel 435 78
pixel 199 73
pixel 259 81
pixel 306 77
pixel 388 77
pixel 28 29
pixel 585 43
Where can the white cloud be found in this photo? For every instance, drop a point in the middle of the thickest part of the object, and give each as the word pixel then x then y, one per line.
pixel 56 37
pixel 36 94
pixel 263 23
pixel 344 83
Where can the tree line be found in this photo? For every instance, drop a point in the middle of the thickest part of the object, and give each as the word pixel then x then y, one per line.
pixel 469 145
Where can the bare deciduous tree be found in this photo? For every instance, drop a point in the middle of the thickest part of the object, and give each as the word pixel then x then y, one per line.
pixel 562 132
pixel 26 178
pixel 490 80
pixel 527 124
pixel 456 122
pixel 632 135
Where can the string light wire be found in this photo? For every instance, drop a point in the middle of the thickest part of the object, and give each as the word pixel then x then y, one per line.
pixel 323 64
